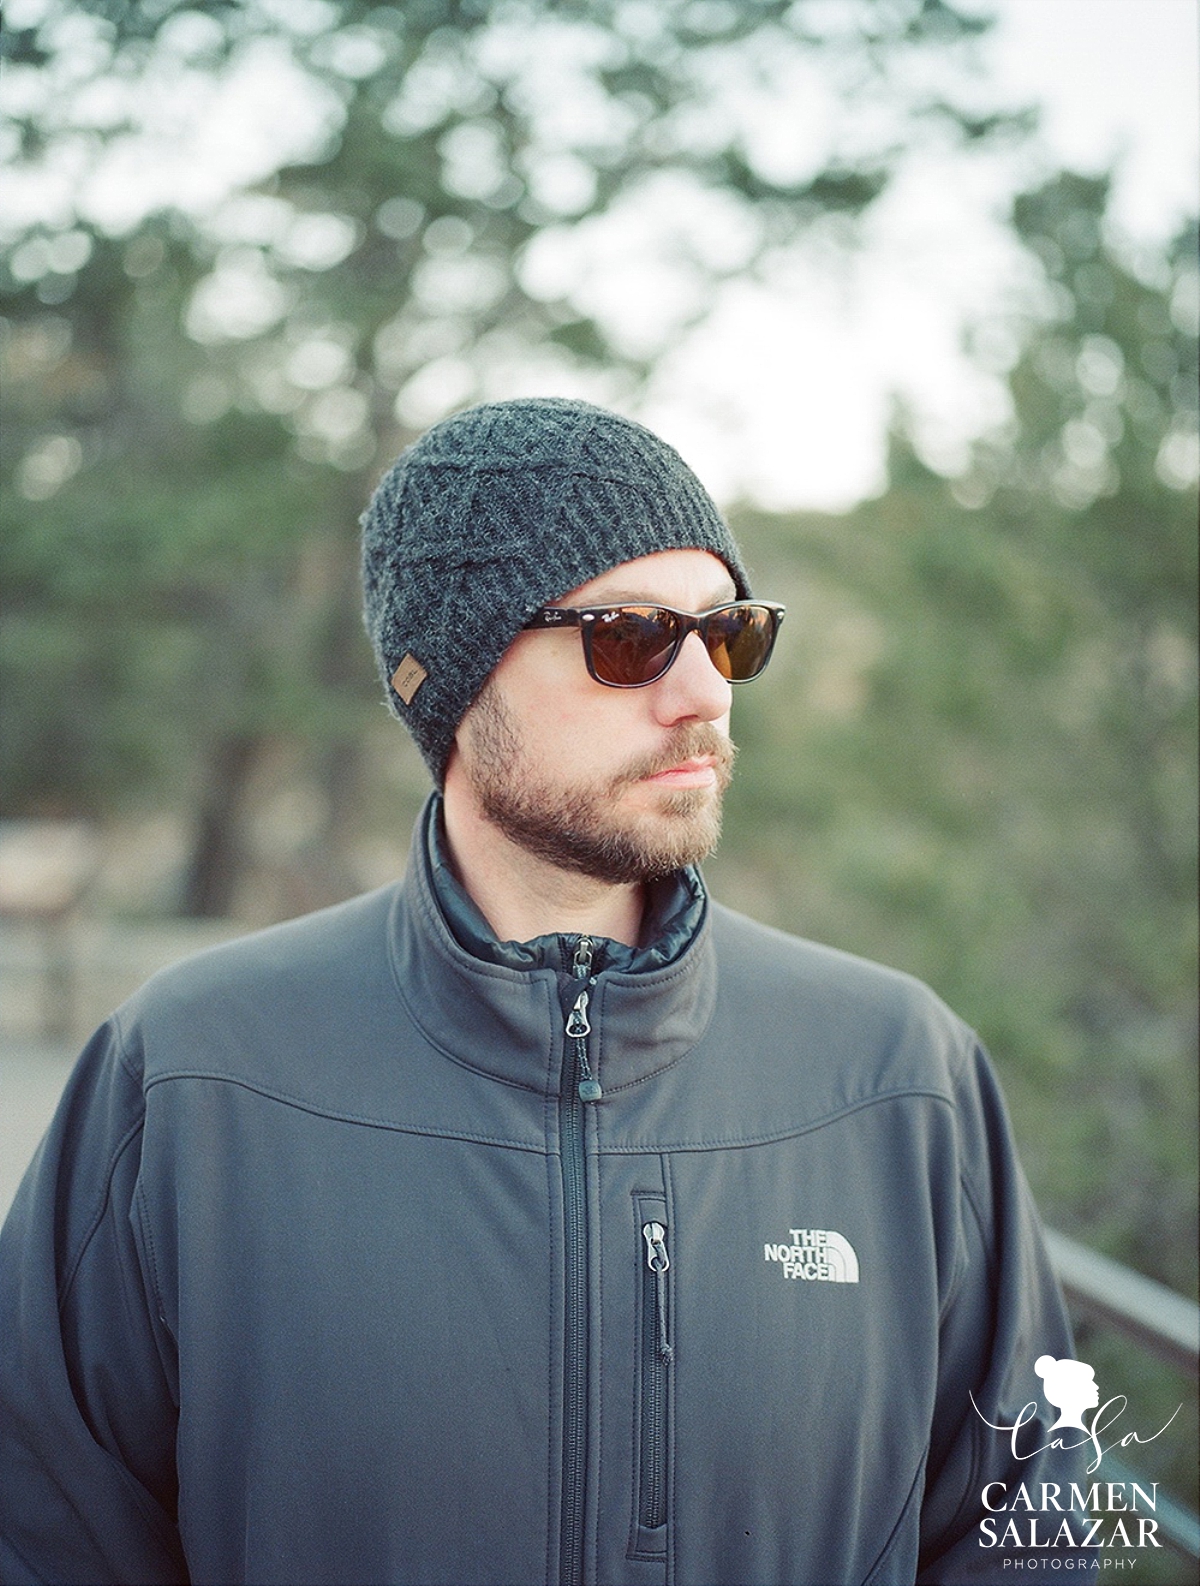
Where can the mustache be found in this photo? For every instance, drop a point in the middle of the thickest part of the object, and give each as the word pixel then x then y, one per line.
pixel 693 741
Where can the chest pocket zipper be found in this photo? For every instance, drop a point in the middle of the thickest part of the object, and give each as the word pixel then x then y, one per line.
pixel 655 1356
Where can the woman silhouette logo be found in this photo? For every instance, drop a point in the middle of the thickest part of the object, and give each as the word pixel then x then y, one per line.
pixel 1070 1386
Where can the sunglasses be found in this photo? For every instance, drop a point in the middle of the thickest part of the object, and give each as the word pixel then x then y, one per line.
pixel 631 646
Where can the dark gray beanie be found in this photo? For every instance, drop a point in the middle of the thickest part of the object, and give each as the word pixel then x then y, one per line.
pixel 496 512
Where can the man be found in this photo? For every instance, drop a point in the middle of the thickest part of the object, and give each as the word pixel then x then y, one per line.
pixel 538 1219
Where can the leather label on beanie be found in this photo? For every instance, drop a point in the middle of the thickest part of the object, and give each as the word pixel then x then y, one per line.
pixel 408 677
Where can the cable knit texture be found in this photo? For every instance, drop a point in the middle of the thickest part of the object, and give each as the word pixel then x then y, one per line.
pixel 498 511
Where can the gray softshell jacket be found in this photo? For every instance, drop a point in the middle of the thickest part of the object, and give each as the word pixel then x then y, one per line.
pixel 355 1256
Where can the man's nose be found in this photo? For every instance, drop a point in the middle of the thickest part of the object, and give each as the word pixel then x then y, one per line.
pixel 692 688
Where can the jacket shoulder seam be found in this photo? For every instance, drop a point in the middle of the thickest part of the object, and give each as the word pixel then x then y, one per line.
pixel 121 1053
pixel 364 1120
pixel 791 1132
pixel 119 1150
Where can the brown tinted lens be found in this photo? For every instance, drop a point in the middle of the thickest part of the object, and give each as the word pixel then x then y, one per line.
pixel 633 644
pixel 739 641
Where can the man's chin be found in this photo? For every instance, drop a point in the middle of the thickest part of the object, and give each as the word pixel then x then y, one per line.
pixel 681 829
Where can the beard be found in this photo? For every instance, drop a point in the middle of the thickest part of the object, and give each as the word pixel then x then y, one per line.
pixel 580 827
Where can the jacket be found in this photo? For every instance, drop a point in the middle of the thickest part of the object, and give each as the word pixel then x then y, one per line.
pixel 355 1256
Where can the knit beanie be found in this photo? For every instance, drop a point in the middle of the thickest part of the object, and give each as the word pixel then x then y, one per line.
pixel 496 512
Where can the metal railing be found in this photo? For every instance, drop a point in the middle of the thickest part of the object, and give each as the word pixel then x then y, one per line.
pixel 1162 1322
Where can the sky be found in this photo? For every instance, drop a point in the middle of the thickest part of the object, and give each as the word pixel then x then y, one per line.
pixel 1118 82
pixel 786 397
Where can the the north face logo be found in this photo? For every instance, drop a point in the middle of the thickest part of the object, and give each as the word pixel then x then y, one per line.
pixel 818 1255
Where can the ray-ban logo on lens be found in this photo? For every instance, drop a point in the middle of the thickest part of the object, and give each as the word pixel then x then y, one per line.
pixel 815 1255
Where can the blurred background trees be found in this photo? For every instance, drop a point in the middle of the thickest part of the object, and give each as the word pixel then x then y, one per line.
pixel 974 756
pixel 201 404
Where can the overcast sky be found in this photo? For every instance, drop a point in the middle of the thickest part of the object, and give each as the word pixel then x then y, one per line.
pixel 1118 82
pixel 787 400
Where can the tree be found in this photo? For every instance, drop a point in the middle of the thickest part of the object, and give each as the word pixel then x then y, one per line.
pixel 197 408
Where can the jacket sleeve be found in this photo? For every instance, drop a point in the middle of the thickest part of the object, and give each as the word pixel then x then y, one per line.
pixel 1004 1312
pixel 87 1407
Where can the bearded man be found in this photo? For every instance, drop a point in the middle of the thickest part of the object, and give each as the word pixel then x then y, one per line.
pixel 535 1219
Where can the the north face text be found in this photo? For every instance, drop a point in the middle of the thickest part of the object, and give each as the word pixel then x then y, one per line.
pixel 816 1255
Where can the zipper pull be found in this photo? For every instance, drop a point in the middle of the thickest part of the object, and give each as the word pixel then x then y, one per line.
pixel 578 1028
pixel 577 1019
pixel 581 964
pixel 655 1236
pixel 659 1263
pixel 578 1025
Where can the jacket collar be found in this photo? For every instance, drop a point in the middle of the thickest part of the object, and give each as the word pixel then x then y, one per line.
pixel 674 912
pixel 499 1006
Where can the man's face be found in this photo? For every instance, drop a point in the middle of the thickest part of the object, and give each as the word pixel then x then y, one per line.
pixel 622 785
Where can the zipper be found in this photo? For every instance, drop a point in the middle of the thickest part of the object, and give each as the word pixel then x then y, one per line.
pixel 578 1027
pixel 657 1354
pixel 579 1088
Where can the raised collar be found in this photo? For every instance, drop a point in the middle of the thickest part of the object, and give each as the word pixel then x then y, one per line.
pixel 674 910
pixel 501 1011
